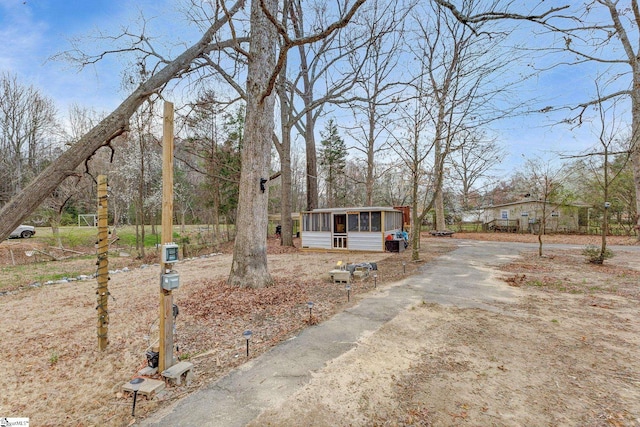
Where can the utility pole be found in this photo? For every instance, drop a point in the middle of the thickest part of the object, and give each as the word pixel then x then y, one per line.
pixel 102 275
pixel 165 358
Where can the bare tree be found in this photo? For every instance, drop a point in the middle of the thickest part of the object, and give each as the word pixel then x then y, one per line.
pixel 414 149
pixel 319 61
pixel 320 79
pixel 544 184
pixel 283 145
pixel 598 160
pixel 212 151
pixel 116 123
pixel 377 91
pixel 144 143
pixel 475 156
pixel 249 266
pixel 604 34
pixel 467 80
pixel 27 123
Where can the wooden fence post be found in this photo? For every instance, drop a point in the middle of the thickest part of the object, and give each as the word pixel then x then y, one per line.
pixel 103 265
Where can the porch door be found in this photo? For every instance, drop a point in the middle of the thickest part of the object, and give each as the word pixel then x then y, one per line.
pixel 339 237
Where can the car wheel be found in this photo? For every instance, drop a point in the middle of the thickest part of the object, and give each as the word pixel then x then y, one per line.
pixel 26 234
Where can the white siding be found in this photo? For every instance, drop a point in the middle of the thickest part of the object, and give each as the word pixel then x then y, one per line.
pixel 316 239
pixel 363 241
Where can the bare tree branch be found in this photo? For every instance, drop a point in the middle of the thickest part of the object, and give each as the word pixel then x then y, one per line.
pixel 115 124
pixel 494 16
pixel 289 43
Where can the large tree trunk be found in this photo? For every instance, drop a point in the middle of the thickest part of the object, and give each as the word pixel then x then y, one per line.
pixel 635 158
pixel 284 151
pixel 249 266
pixel 286 204
pixel 309 138
pixel 635 143
pixel 438 204
pixel 371 138
pixel 312 163
pixel 416 220
pixel 27 201
pixel 439 157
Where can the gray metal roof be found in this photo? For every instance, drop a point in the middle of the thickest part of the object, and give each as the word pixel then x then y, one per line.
pixel 351 209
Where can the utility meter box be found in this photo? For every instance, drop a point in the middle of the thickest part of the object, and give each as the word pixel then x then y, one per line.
pixel 170 281
pixel 169 253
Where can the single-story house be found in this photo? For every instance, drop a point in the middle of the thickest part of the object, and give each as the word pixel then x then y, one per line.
pixel 351 229
pixel 526 216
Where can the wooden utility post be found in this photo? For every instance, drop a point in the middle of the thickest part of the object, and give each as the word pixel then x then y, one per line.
pixel 165 358
pixel 103 264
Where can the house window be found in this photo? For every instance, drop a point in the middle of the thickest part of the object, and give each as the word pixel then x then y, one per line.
pixel 504 214
pixel 524 214
pixel 555 213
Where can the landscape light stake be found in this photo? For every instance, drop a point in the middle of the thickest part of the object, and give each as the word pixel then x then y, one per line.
pixel 348 287
pixel 310 305
pixel 247 336
pixel 404 267
pixel 375 280
pixel 135 385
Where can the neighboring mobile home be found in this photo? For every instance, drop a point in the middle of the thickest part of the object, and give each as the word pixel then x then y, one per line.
pixel 526 216
pixel 351 229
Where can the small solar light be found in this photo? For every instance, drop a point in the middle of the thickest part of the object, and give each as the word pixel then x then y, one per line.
pixel 310 306
pixel 404 267
pixel 375 280
pixel 135 386
pixel 348 288
pixel 247 336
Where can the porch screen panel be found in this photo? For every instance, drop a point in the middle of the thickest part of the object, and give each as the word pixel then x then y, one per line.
pixel 392 220
pixel 352 222
pixel 306 222
pixel 325 222
pixel 364 221
pixel 375 221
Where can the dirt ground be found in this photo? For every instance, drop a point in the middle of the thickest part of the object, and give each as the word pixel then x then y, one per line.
pixel 565 354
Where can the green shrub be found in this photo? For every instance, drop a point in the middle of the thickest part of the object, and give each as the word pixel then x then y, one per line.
pixel 594 254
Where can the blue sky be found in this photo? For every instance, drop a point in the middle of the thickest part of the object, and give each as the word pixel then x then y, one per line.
pixel 34 30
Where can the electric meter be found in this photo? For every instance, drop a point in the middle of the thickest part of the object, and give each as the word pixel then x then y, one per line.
pixel 169 253
pixel 170 281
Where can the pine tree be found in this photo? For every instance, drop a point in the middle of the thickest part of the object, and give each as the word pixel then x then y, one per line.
pixel 333 160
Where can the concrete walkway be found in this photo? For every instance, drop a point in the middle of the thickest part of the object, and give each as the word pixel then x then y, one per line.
pixel 463 278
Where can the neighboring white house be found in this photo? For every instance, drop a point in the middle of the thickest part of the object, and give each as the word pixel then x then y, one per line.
pixel 350 229
pixel 527 215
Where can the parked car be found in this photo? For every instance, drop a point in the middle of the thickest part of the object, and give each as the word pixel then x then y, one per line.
pixel 24 231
